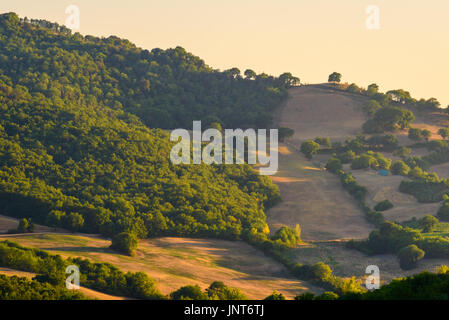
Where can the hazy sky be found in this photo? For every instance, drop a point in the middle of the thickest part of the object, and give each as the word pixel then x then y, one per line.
pixel 310 38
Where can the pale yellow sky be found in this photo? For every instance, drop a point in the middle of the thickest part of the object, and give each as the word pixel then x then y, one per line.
pixel 310 38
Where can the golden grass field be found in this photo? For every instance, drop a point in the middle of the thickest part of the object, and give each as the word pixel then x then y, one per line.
pixel 382 188
pixel 176 262
pixel 314 199
pixel 313 111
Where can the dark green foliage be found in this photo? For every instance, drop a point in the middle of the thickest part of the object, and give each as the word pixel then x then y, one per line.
pixel 443 132
pixel 403 152
pixel 285 133
pixel 443 211
pixel 387 142
pixel 424 191
pixel 189 293
pixel 323 141
pixel 423 286
pixel 428 223
pixel 288 236
pixel 125 242
pixel 334 165
pixel 389 119
pixel 74 221
pixel 75 114
pixel 409 256
pixel 15 288
pixel 353 88
pixel 399 168
pixel 415 134
pixel 334 77
pixel 383 205
pixel 349 183
pixel 275 296
pixel 328 295
pixel 102 277
pixel 309 148
pixel 219 291
pixel 25 226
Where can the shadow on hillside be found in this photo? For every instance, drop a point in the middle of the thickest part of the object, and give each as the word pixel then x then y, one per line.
pixel 81 249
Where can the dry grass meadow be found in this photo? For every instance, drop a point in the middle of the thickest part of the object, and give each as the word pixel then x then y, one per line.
pixel 176 262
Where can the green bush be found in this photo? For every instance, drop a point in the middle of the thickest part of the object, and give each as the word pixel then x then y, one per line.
pixel 189 293
pixel 334 165
pixel 219 291
pixel 428 223
pixel 125 242
pixel 309 148
pixel 409 256
pixel 383 205
pixel 275 296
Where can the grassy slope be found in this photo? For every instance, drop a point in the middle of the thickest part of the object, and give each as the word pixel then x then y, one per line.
pixel 315 199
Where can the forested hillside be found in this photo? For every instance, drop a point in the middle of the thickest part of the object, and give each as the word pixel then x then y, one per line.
pixel 76 148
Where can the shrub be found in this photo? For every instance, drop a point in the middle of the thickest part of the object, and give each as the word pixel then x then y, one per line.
pixel 371 107
pixel 219 291
pixel 125 242
pixel 288 236
pixel 334 165
pixel 275 296
pixel 400 168
pixel 309 148
pixel 189 293
pixel 428 223
pixel 415 134
pixel 326 142
pixel 383 205
pixel 409 256
pixel 443 212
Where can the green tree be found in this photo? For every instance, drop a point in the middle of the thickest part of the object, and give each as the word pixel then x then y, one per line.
pixel 309 148
pixel 443 132
pixel 125 242
pixel 415 134
pixel 189 293
pixel 428 223
pixel 334 77
pixel 285 133
pixel 73 222
pixel 334 165
pixel 219 291
pixel 426 134
pixel 275 296
pixel 409 256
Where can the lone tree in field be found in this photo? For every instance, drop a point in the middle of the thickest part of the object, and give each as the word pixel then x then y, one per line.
pixel 409 256
pixel 334 77
pixel 285 133
pixel 428 223
pixel 309 148
pixel 125 242
pixel 444 132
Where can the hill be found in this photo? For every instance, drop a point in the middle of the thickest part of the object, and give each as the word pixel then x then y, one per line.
pixel 176 262
pixel 76 150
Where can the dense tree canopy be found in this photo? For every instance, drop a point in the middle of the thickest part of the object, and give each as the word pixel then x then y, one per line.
pixel 76 150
